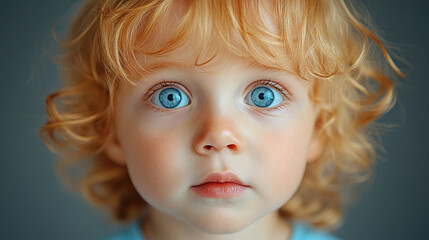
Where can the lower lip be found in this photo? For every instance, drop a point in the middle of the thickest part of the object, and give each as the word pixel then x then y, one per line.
pixel 219 190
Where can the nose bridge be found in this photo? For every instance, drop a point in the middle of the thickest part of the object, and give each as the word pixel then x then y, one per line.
pixel 217 130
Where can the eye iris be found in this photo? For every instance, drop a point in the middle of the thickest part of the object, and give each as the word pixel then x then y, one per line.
pixel 170 97
pixel 262 96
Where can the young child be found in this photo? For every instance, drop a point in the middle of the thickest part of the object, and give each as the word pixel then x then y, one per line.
pixel 219 119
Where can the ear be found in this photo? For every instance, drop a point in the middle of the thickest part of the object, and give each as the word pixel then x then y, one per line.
pixel 114 151
pixel 317 142
pixel 315 148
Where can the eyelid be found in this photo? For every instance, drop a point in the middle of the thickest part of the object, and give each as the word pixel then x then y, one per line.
pixel 275 85
pixel 163 84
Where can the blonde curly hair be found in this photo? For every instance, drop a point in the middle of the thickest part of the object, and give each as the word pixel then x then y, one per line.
pixel 325 41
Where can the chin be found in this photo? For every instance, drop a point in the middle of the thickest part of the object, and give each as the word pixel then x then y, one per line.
pixel 219 222
pixel 219 228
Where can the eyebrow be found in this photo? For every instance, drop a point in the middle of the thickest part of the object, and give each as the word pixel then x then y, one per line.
pixel 256 65
pixel 154 67
pixel 157 66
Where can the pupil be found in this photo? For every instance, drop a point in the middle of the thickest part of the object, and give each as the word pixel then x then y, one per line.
pixel 170 98
pixel 262 96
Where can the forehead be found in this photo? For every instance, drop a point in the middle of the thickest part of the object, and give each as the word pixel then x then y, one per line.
pixel 184 59
pixel 194 48
pixel 206 14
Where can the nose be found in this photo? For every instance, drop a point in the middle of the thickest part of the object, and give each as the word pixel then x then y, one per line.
pixel 217 134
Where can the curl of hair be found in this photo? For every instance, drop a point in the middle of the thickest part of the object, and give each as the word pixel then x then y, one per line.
pixel 324 40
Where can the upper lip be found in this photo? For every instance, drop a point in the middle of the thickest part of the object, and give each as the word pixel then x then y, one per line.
pixel 227 177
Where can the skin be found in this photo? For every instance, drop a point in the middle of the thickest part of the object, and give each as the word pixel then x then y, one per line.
pixel 166 151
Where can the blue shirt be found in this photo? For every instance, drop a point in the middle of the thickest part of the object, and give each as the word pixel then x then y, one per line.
pixel 300 232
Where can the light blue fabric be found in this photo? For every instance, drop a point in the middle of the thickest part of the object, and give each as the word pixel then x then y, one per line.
pixel 300 232
pixel 131 232
pixel 304 232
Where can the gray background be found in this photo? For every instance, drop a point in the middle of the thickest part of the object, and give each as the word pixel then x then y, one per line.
pixel 35 206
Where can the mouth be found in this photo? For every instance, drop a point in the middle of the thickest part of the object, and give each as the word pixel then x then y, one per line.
pixel 220 185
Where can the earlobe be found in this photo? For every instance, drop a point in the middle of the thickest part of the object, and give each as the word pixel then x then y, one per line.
pixel 317 142
pixel 114 151
pixel 315 148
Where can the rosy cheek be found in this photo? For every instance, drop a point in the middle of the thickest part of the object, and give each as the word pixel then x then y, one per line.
pixel 154 163
pixel 283 155
pixel 285 163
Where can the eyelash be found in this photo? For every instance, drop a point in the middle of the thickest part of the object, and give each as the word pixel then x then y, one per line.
pixel 276 85
pixel 262 82
pixel 162 84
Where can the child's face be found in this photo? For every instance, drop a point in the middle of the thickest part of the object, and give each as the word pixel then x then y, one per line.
pixel 182 123
pixel 214 128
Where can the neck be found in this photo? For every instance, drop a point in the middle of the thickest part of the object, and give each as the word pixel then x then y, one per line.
pixel 160 226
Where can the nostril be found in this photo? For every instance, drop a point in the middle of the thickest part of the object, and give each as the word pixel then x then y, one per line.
pixel 208 147
pixel 232 147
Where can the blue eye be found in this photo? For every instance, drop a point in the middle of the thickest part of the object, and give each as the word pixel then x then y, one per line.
pixel 264 97
pixel 170 98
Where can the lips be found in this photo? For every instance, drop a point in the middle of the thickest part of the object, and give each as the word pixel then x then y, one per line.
pixel 220 185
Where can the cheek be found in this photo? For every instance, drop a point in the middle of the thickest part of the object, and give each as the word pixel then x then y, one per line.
pixel 285 163
pixel 155 162
pixel 283 158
